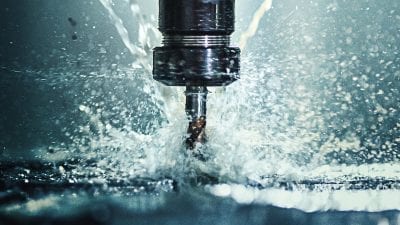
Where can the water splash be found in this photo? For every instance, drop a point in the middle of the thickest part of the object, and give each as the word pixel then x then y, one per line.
pixel 146 34
pixel 273 123
pixel 304 111
pixel 253 27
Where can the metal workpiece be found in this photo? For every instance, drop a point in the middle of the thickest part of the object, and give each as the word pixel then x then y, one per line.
pixel 196 53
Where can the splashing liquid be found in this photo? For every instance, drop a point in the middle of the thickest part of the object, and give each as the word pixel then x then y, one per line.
pixel 306 111
pixel 277 121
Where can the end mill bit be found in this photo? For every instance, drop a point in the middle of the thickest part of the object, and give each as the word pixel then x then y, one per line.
pixel 196 133
pixel 196 99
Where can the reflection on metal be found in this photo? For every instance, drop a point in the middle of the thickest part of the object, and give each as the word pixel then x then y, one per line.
pixel 196 132
pixel 196 110
pixel 199 41
pixel 196 54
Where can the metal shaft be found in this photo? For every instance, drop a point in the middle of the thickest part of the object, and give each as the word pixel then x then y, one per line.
pixel 196 53
pixel 196 109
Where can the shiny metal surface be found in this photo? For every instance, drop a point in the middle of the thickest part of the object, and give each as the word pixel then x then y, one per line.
pixel 196 41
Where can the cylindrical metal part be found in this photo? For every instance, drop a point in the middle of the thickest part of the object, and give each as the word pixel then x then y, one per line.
pixel 194 66
pixel 196 110
pixel 196 53
pixel 196 100
pixel 196 39
pixel 196 17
